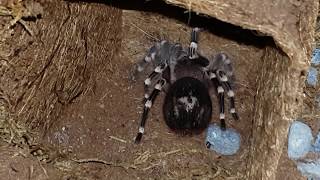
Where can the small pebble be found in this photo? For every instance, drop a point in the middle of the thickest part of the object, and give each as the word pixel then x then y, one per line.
pixel 310 169
pixel 317 99
pixel 223 142
pixel 312 78
pixel 299 140
pixel 315 60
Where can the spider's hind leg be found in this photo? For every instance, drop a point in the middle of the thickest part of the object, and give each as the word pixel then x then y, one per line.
pixel 221 73
pixel 153 77
pixel 224 71
pixel 220 90
pixel 147 106
pixel 230 93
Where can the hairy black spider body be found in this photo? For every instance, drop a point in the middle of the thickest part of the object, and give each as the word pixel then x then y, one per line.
pixel 188 76
pixel 187 106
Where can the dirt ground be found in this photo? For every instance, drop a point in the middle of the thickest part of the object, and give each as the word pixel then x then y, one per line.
pixel 102 125
pixel 96 131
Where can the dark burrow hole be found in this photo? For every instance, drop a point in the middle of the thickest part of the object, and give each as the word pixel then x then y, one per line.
pixel 214 26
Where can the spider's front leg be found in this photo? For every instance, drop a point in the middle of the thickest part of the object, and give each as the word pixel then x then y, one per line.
pixel 193 54
pixel 193 47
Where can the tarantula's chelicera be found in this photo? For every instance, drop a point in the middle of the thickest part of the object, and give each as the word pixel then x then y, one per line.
pixel 187 76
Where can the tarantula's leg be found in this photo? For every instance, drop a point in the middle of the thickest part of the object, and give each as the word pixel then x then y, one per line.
pixel 194 43
pixel 156 72
pixel 230 93
pixel 220 90
pixel 147 106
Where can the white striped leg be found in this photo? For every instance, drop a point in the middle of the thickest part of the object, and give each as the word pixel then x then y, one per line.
pixel 147 106
pixel 230 93
pixel 156 72
pixel 194 43
pixel 220 90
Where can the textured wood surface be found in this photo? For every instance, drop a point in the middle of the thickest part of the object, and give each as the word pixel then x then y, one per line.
pixel 280 83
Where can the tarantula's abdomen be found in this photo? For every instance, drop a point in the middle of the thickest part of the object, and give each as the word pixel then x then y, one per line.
pixel 187 105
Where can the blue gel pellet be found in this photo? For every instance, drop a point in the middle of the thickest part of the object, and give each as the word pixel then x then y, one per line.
pixel 312 78
pixel 315 60
pixel 316 144
pixel 299 140
pixel 223 142
pixel 310 169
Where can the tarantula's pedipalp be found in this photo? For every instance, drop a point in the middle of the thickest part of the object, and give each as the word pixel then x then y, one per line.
pixel 187 76
pixel 147 59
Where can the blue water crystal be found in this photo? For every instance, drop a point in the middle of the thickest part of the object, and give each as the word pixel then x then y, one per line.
pixel 299 140
pixel 315 60
pixel 310 169
pixel 223 142
pixel 312 78
pixel 316 145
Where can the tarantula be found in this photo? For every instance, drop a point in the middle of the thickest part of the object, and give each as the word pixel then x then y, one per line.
pixel 187 77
